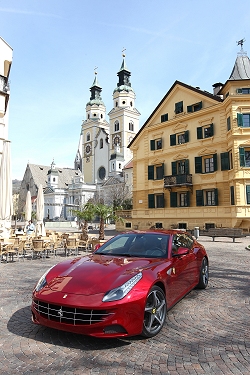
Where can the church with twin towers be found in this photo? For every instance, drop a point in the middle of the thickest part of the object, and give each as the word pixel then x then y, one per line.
pixel 101 158
pixel 102 150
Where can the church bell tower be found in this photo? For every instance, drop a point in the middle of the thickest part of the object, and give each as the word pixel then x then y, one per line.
pixel 124 121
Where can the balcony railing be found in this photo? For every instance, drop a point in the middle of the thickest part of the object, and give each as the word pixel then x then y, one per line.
pixel 178 180
pixel 4 84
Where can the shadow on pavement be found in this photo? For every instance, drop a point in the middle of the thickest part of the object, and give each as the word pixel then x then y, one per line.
pixel 20 324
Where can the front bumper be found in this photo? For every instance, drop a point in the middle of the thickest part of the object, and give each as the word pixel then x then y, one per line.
pixel 89 315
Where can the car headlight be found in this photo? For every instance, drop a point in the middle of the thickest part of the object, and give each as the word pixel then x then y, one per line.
pixel 120 292
pixel 42 282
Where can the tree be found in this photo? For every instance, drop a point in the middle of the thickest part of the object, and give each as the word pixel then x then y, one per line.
pixel 86 213
pixel 104 213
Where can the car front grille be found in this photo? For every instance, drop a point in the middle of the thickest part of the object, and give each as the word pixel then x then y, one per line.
pixel 69 315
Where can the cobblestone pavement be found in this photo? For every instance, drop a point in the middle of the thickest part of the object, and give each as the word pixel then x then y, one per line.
pixel 206 333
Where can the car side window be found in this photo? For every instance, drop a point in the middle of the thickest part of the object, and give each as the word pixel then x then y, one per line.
pixel 175 244
pixel 181 240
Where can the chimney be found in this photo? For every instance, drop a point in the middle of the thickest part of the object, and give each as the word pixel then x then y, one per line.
pixel 217 86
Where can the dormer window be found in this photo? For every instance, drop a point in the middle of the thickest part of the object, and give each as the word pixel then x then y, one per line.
pixel 88 137
pixel 178 107
pixel 194 107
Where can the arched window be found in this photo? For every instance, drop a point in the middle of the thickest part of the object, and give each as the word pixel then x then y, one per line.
pixel 116 126
pixel 101 143
pixel 88 137
pixel 102 173
pixel 131 126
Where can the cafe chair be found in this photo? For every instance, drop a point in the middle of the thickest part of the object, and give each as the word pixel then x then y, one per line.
pixel 71 246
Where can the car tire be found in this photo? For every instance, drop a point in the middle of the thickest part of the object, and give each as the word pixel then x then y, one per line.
pixel 155 312
pixel 203 280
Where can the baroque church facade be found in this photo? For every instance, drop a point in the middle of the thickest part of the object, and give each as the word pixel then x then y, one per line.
pixel 103 151
pixel 101 157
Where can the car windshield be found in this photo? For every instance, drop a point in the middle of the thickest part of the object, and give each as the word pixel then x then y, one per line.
pixel 149 245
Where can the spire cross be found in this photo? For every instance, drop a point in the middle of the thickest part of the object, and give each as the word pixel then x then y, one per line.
pixel 95 69
pixel 124 49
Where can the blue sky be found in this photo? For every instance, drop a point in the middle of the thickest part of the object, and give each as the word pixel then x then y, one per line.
pixel 58 43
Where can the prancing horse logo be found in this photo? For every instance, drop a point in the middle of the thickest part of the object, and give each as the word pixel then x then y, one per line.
pixel 60 313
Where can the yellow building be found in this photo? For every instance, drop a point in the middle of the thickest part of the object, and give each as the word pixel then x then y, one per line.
pixel 191 158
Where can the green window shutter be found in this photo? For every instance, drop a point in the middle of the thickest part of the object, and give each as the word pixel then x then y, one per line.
pixel 186 136
pixel 188 198
pixel 216 196
pixel 198 164
pixel 248 193
pixel 172 139
pixel 242 156
pixel 189 108
pixel 164 117
pixel 151 201
pixel 240 119
pixel 152 144
pixel 179 107
pixel 232 195
pixel 162 168
pixel 224 160
pixel 174 168
pixel 215 161
pixel 150 172
pixel 186 166
pixel 229 123
pixel 199 132
pixel 161 201
pixel 212 129
pixel 173 199
pixel 199 198
pixel 200 105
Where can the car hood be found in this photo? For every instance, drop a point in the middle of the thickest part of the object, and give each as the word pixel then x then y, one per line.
pixel 96 274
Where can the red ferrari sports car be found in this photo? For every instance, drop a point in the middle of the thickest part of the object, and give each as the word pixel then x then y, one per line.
pixel 124 288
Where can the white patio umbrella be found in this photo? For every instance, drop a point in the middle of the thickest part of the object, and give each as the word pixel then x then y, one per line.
pixel 40 230
pixel 6 207
pixel 28 208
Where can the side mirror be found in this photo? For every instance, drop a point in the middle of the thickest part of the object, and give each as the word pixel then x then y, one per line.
pixel 180 251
